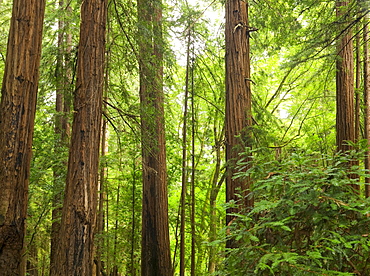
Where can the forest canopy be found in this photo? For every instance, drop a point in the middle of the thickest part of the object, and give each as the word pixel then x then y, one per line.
pixel 184 137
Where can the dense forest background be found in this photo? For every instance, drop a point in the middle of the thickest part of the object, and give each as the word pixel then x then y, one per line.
pixel 303 155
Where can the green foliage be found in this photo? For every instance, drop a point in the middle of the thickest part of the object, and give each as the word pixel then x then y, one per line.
pixel 307 219
pixel 5 14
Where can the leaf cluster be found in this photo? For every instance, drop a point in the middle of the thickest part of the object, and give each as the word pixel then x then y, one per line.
pixel 307 220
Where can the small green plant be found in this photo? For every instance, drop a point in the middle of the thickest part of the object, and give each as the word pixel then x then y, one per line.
pixel 307 219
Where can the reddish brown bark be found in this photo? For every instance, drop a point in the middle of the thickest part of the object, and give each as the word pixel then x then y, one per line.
pixel 63 77
pixel 17 114
pixel 76 249
pixel 357 86
pixel 345 92
pixel 345 83
pixel 367 102
pixel 238 101
pixel 155 245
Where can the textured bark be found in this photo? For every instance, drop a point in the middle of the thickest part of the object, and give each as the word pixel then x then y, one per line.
pixel 103 169
pixel 345 121
pixel 63 76
pixel 345 92
pixel 17 114
pixel 238 101
pixel 357 86
pixel 155 251
pixel 367 102
pixel 75 253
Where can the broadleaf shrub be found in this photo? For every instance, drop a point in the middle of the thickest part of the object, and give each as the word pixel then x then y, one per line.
pixel 307 219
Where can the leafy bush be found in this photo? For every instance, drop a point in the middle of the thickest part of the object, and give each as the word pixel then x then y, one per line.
pixel 307 220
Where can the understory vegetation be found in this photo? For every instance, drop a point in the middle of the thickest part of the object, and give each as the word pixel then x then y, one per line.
pixel 307 218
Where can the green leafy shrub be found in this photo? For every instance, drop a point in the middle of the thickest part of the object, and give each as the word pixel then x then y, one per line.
pixel 307 220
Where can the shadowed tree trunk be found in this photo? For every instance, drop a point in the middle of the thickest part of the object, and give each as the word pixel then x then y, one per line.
pixel 132 267
pixel 213 217
pixel 345 92
pixel 76 249
pixel 17 115
pixel 238 103
pixel 63 77
pixel 193 165
pixel 184 173
pixel 344 83
pixel 32 260
pixel 155 245
pixel 358 86
pixel 367 100
pixel 100 214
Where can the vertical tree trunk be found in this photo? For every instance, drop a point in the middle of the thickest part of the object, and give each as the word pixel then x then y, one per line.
pixel 107 229
pixel 155 246
pixel 75 253
pixel 131 270
pixel 17 114
pixel 100 217
pixel 238 101
pixel 184 176
pixel 193 204
pixel 367 100
pixel 358 85
pixel 345 117
pixel 32 260
pixel 114 271
pixel 344 83
pixel 213 218
pixel 103 168
pixel 62 132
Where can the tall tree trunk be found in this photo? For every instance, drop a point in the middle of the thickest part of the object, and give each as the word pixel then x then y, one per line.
pixel 17 115
pixel 213 218
pixel 345 117
pixel 32 260
pixel 193 165
pixel 155 246
pixel 107 228
pixel 131 269
pixel 100 216
pixel 238 102
pixel 184 166
pixel 344 83
pixel 114 271
pixel 63 77
pixel 103 168
pixel 367 100
pixel 358 86
pixel 75 253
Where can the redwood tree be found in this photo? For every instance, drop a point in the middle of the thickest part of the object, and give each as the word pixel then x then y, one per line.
pixel 17 114
pixel 238 102
pixel 63 76
pixel 155 251
pixel 76 248
pixel 344 81
pixel 367 100
pixel 345 91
